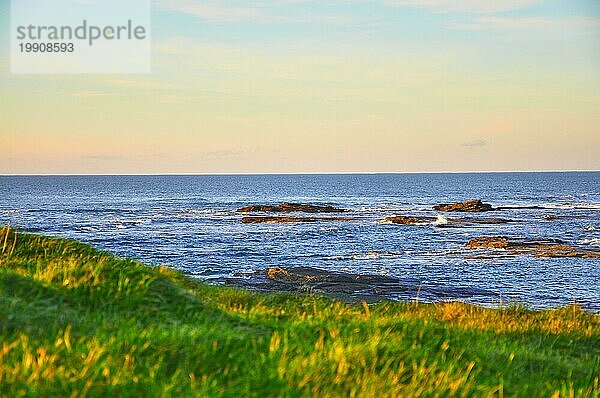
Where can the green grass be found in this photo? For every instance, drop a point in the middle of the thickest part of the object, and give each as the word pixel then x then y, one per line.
pixel 75 321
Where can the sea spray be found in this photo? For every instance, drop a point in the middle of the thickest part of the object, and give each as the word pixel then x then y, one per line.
pixel 440 220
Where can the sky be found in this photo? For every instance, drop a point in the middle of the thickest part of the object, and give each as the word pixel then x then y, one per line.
pixel 323 86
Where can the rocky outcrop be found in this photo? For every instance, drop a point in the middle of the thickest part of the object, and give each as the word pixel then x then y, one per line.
pixel 481 220
pixel 441 221
pixel 408 220
pixel 347 287
pixel 534 247
pixel 290 208
pixel 496 242
pixel 534 207
pixel 284 219
pixel 473 206
pixel 317 277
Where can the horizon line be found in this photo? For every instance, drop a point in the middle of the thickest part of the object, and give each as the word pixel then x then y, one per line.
pixel 288 174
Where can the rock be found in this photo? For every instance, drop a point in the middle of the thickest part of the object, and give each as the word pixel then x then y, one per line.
pixel 408 220
pixel 534 207
pixel 474 206
pixel 273 273
pixel 283 219
pixel 350 288
pixel 490 243
pixel 441 221
pixel 536 247
pixel 315 275
pixel 275 220
pixel 481 220
pixel 290 208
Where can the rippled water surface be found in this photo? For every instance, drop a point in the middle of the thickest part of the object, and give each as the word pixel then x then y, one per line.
pixel 189 223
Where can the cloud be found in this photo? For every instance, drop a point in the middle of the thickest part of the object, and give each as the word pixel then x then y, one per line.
pixel 479 143
pixel 143 83
pixel 568 24
pixel 103 158
pixel 224 154
pixel 212 10
pixel 480 14
pixel 466 6
pixel 93 94
pixel 260 12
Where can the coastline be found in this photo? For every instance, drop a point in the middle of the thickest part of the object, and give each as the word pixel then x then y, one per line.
pixel 81 321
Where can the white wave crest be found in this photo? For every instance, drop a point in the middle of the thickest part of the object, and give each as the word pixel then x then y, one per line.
pixel 440 220
pixel 591 242
pixel 576 206
pixel 554 206
pixel 122 221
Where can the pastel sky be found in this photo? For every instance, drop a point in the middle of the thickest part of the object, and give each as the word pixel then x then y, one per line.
pixel 289 86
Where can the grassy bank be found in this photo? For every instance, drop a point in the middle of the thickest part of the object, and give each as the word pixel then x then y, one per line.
pixel 78 322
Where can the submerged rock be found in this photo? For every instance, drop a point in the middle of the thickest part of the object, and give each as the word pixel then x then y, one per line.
pixel 474 206
pixel 441 221
pixel 275 220
pixel 482 220
pixel 532 207
pixel 303 275
pixel 290 208
pixel 348 287
pixel 283 219
pixel 534 247
pixel 338 285
pixel 409 220
pixel 497 242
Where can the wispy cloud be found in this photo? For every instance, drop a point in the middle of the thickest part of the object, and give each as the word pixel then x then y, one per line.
pixel 568 24
pixel 224 154
pixel 93 94
pixel 103 158
pixel 476 14
pixel 479 143
pixel 468 6
pixel 230 154
pixel 212 10
pixel 258 12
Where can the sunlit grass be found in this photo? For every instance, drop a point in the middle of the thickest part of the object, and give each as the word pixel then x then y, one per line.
pixel 78 322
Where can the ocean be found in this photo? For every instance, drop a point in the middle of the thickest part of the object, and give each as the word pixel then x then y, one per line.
pixel 190 223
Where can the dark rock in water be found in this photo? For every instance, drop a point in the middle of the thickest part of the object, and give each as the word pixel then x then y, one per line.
pixel 290 208
pixel 533 207
pixel 347 287
pixel 443 222
pixel 274 220
pixel 307 275
pixel 474 206
pixel 409 220
pixel 497 242
pixel 281 219
pixel 534 247
pixel 481 220
pixel 342 286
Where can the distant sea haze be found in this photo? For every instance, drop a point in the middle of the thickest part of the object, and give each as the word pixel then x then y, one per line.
pixel 190 223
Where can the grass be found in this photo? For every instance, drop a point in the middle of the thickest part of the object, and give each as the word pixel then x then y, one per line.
pixel 78 322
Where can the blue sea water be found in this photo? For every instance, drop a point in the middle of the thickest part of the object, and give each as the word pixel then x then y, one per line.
pixel 190 223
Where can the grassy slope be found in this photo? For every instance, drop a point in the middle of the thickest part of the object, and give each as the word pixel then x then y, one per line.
pixel 80 321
